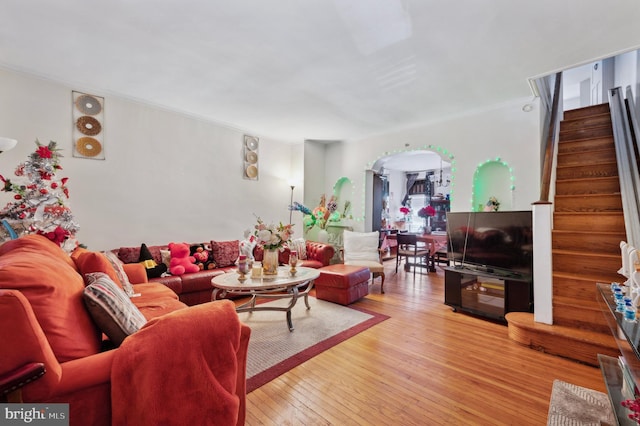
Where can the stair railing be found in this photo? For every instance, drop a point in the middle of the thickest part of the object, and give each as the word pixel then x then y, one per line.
pixel 551 141
pixel 626 159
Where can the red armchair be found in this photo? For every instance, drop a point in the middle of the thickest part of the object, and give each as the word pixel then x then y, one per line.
pixel 144 381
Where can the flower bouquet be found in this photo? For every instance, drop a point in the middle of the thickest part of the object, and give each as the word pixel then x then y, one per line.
pixel 426 213
pixel 273 239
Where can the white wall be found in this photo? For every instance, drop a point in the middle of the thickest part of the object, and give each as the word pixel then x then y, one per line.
pixel 504 132
pixel 626 71
pixel 166 176
pixel 169 177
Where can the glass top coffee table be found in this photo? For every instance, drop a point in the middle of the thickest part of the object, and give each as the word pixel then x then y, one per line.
pixel 280 286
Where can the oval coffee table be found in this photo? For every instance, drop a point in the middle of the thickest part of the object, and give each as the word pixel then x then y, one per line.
pixel 280 286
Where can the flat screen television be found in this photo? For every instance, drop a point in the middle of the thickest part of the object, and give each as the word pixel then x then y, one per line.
pixel 495 242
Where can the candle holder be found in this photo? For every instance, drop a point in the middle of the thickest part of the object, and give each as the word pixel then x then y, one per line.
pixel 243 268
pixel 293 261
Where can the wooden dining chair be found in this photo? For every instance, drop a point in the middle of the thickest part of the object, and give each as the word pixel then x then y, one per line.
pixel 409 248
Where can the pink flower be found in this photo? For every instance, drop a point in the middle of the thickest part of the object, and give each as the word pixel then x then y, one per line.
pixel 427 211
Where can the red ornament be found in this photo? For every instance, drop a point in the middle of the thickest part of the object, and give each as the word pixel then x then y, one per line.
pixel 44 152
pixel 18 197
pixel 54 185
pixel 44 191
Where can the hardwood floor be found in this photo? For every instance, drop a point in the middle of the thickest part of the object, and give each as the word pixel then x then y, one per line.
pixel 425 365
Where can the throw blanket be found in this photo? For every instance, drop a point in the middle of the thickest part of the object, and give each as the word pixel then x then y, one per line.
pixel 179 369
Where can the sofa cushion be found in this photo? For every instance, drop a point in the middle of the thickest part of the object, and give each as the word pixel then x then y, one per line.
pixel 310 263
pixel 88 262
pixel 361 246
pixel 155 300
pixel 54 290
pixel 132 254
pixel 299 245
pixel 111 308
pixel 225 253
pixel 118 266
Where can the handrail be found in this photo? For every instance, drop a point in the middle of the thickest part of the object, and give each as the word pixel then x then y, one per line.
pixel 627 165
pixel 551 141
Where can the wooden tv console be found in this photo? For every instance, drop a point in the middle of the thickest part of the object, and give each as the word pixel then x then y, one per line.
pixel 487 293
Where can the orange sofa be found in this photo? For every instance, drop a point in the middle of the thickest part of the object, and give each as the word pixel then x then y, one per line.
pixel 186 365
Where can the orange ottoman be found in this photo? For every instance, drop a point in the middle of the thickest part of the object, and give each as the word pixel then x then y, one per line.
pixel 343 284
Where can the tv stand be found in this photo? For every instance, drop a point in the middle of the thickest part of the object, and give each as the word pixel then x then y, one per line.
pixel 489 294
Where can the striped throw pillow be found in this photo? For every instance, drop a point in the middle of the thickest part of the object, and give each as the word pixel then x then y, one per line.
pixel 111 308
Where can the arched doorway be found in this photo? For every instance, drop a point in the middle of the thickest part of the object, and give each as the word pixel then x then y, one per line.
pixel 404 182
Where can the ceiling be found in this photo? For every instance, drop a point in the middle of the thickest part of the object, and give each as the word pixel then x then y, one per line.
pixel 312 69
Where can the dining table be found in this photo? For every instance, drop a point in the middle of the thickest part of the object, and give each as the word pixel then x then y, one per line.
pixel 434 241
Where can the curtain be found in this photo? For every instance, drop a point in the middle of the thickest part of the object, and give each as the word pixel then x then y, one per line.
pixel 411 179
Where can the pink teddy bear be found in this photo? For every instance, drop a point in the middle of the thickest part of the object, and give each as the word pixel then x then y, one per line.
pixel 181 262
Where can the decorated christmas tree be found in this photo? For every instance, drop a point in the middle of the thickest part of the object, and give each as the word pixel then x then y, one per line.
pixel 39 204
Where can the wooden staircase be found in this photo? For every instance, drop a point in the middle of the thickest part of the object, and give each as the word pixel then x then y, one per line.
pixel 588 226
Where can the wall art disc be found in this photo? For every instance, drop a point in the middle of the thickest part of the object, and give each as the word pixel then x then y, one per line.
pixel 88 105
pixel 88 147
pixel 252 143
pixel 252 157
pixel 88 125
pixel 252 172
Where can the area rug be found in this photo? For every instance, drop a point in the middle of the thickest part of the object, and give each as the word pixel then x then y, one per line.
pixel 274 350
pixel 577 406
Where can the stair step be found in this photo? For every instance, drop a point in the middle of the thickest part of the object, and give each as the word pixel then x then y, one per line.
pixel 580 287
pixel 597 185
pixel 602 242
pixel 580 221
pixel 596 120
pixel 577 344
pixel 585 262
pixel 574 114
pixel 603 169
pixel 585 133
pixel 588 203
pixel 581 314
pixel 584 145
pixel 605 155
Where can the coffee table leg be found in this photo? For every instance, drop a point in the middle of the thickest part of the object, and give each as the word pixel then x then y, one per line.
pixel 306 294
pixel 214 294
pixel 289 322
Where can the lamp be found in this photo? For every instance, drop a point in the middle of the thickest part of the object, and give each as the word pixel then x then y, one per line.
pixel 441 181
pixel 6 144
pixel 291 203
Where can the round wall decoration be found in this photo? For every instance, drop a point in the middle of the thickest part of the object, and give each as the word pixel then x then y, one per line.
pixel 88 147
pixel 88 125
pixel 252 157
pixel 252 172
pixel 88 105
pixel 252 143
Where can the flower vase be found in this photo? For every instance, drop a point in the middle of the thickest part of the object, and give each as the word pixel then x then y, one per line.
pixel 323 236
pixel 427 225
pixel 270 262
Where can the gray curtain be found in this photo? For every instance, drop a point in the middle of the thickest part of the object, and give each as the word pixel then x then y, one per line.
pixel 411 179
